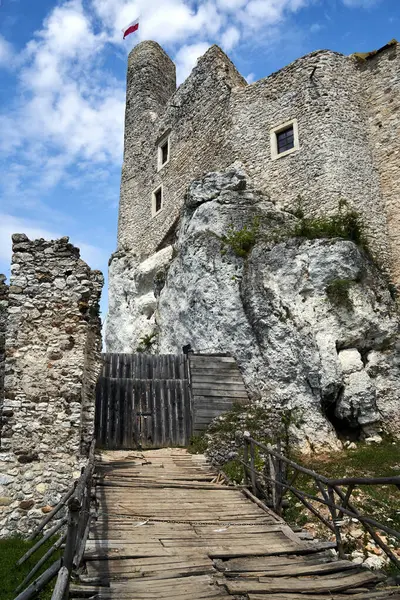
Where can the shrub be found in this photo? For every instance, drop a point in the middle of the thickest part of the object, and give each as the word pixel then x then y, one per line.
pixel 343 224
pixel 146 342
pixel 242 240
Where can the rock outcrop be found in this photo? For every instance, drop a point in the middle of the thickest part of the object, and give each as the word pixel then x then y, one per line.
pixel 311 322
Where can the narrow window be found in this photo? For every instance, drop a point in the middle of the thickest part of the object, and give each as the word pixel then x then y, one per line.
pixel 284 139
pixel 157 201
pixel 163 152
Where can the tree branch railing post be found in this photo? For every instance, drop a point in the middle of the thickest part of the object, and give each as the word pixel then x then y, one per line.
pixel 275 474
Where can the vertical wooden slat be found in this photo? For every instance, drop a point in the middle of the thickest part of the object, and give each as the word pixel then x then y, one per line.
pixel 158 439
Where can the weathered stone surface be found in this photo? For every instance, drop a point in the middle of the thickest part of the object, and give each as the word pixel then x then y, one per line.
pixel 53 346
pixel 3 326
pixel 296 348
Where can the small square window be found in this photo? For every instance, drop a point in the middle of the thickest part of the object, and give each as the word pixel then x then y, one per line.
pixel 157 201
pixel 284 139
pixel 163 152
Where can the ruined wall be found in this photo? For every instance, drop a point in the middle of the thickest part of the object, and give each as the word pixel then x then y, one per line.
pixel 380 81
pixel 198 117
pixel 3 326
pixel 334 161
pixel 53 347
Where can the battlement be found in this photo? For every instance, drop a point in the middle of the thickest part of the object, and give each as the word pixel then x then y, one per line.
pixel 326 108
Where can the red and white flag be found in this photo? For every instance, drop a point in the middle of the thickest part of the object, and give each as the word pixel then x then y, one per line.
pixel 132 27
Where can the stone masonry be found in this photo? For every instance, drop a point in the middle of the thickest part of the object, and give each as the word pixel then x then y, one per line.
pixel 53 347
pixel 3 325
pixel 348 133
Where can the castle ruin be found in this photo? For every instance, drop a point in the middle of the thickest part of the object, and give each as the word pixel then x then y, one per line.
pixel 323 129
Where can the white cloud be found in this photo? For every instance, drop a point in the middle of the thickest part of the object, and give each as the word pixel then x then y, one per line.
pixel 6 53
pixel 230 38
pixel 316 27
pixel 9 224
pixel 250 78
pixel 186 58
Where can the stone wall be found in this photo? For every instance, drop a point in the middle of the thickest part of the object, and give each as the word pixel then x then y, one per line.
pixel 53 347
pixel 334 161
pixel 198 119
pixel 3 326
pixel 381 95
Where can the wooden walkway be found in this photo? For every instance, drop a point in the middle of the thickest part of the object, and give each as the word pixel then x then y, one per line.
pixel 167 528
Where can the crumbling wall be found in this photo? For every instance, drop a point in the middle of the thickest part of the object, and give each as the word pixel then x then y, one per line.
pixel 3 326
pixel 53 347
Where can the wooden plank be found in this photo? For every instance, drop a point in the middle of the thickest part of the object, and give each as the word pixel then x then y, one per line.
pixel 316 584
pixel 384 595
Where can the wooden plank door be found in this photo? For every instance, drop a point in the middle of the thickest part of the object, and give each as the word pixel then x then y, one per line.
pixel 143 401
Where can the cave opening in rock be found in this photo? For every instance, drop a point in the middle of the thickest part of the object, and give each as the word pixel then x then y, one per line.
pixel 345 430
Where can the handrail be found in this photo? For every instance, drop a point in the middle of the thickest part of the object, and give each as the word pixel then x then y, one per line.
pixel 332 496
pixel 78 502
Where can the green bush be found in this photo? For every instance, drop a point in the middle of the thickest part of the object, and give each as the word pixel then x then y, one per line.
pixel 242 240
pixel 146 342
pixel 197 444
pixel 343 224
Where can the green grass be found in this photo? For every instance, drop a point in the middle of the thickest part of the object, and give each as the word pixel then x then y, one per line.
pixel 11 576
pixel 197 444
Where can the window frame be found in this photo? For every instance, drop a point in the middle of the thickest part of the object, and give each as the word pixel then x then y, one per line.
pixel 165 140
pixel 155 212
pixel 275 131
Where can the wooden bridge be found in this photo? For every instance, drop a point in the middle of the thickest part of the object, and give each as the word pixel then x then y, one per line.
pixel 168 527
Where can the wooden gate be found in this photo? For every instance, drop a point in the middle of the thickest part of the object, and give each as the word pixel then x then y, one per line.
pixel 143 401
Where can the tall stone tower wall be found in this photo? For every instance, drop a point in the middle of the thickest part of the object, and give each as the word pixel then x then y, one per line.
pixel 197 118
pixel 53 358
pixel 151 81
pixel 380 80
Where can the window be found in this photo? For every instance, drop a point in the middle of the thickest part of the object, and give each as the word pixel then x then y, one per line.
pixel 163 152
pixel 284 139
pixel 157 201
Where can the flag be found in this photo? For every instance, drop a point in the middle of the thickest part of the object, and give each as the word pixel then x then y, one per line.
pixel 132 27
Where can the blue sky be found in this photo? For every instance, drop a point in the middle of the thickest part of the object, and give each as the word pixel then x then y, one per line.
pixel 62 91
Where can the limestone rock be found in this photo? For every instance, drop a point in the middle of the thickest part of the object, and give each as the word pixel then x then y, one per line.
pixel 334 365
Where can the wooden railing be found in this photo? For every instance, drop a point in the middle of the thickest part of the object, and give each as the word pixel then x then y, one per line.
pixel 274 482
pixel 76 524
